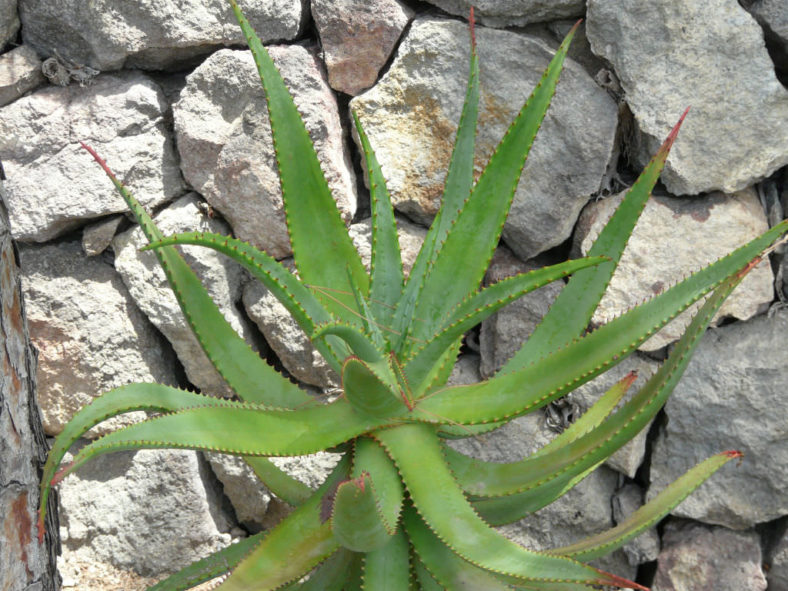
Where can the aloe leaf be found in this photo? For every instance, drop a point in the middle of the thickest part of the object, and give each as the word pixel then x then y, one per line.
pixel 291 549
pixel 331 574
pixel 547 379
pixel 366 392
pixel 322 248
pixel 647 515
pixel 238 429
pixel 356 519
pixel 462 259
pixel 448 568
pixel 285 487
pixel 210 567
pixel 468 470
pixel 388 568
pixel 358 342
pixel 549 474
pixel 571 312
pixel 426 581
pixel 457 189
pixel 416 450
pixel 236 362
pixel 299 301
pixel 475 308
pixel 370 458
pixel 387 275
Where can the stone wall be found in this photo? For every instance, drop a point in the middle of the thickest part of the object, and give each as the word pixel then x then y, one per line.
pixel 165 91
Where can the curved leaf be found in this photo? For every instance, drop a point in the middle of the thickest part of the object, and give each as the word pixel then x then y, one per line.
pixel 388 568
pixel 367 393
pixel 285 487
pixel 416 450
pixel 370 458
pixel 356 519
pixel 331 575
pixel 236 362
pixel 322 249
pixel 357 341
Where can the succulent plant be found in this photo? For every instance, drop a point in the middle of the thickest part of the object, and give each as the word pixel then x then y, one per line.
pixel 403 510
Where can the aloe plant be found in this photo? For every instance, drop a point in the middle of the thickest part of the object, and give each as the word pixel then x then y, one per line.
pixel 402 510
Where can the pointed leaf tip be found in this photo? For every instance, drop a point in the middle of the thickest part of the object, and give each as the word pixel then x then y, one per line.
pixel 100 161
pixel 629 379
pixel 675 131
pixel 616 581
pixel 733 453
pixel 472 23
pixel 40 527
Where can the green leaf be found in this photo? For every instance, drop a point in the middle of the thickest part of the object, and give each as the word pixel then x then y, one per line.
pixel 331 575
pixel 356 519
pixel 387 274
pixel 475 308
pixel 238 429
pixel 299 301
pixel 457 189
pixel 448 568
pixel 416 450
pixel 358 342
pixel 571 312
pixel 371 459
pixel 367 393
pixel 648 515
pixel 285 487
pixel 426 581
pixel 291 549
pixel 547 379
pixel 236 362
pixel 388 568
pixel 322 248
pixel 210 567
pixel 462 260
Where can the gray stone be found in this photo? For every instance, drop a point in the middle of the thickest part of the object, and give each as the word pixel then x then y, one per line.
pixel 584 510
pixel 645 547
pixel 465 371
pixel 248 496
pixel 411 118
pixel 148 286
pixel 357 37
pixel 697 557
pixel 53 184
pixel 513 13
pixel 777 575
pixel 97 237
pixel 773 17
pixel 737 130
pixel 629 457
pixel 149 34
pixel 673 238
pixel 89 334
pixel 20 72
pixel 732 396
pixel 148 511
pixel 312 470
pixel 9 21
pixel 226 149
pixel 410 236
pixel 503 333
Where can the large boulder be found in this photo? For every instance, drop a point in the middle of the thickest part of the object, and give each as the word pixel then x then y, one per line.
pixel 20 72
pixel 9 21
pixel 411 118
pixel 513 13
pixel 671 54
pixel 224 139
pixel 53 184
pixel 149 34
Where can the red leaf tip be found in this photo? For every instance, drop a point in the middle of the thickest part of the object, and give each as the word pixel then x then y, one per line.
pixel 733 453
pixel 472 23
pixel 40 526
pixel 630 378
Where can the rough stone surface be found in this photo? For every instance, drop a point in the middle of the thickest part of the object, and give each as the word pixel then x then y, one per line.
pixel 584 510
pixel 148 511
pixel 312 470
pixel 283 334
pixel 503 333
pixel 732 396
pixel 777 575
pixel 628 458
pixel 645 547
pixel 90 335
pixel 737 130
pixel 225 144
pixel 411 118
pixel 53 184
pixel 696 557
pixel 773 17
pixel 97 237
pixel 148 286
pixel 246 493
pixel 357 37
pixel 20 72
pixel 9 21
pixel 675 237
pixel 149 34
pixel 511 13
